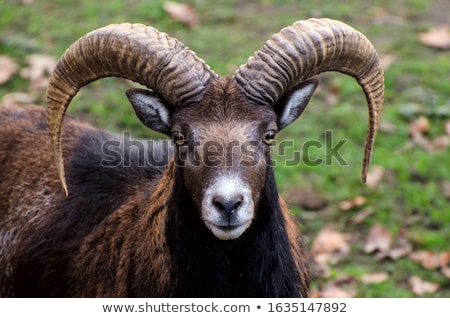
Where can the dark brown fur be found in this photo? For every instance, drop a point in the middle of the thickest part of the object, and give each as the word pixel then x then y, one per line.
pixel 132 231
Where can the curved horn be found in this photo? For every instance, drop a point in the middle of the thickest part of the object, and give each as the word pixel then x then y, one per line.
pixel 306 49
pixel 132 51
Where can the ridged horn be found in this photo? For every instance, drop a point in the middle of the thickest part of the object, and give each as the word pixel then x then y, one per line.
pixel 132 51
pixel 306 49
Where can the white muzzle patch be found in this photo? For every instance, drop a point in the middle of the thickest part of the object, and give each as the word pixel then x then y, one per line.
pixel 227 207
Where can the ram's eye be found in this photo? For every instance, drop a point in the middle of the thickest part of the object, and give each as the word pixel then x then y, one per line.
pixel 269 136
pixel 178 138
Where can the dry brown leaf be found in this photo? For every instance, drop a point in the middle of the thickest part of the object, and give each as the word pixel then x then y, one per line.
pixel 417 129
pixel 421 287
pixel 361 216
pixel 374 176
pixel 330 245
pixel 320 266
pixel 401 248
pixel 441 142
pixel 181 12
pixel 431 259
pixel 314 293
pixel 444 258
pixel 332 291
pixel 8 67
pixel 38 71
pixel 347 205
pixel 438 37
pixel 375 278
pixel 447 127
pixel 428 259
pixel 379 239
pixel 446 271
pixel 341 287
pixel 423 142
pixel 419 126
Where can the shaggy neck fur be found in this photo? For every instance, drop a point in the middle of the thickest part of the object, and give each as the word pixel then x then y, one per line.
pixel 260 263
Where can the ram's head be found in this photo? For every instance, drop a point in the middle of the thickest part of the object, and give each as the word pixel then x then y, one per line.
pixel 222 127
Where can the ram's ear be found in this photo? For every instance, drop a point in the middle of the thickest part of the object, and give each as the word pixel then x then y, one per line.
pixel 151 109
pixel 292 105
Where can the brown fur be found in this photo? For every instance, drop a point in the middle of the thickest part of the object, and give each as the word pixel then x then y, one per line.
pixel 136 232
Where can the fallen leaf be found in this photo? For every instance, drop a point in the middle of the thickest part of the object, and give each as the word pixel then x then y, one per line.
pixel 181 12
pixel 374 176
pixel 379 239
pixel 423 142
pixel 375 278
pixel 419 126
pixel 431 259
pixel 447 127
pixel 421 287
pixel 359 200
pixel 438 37
pixel 347 205
pixel 441 142
pixel 320 266
pixel 444 258
pixel 341 287
pixel 8 67
pixel 330 246
pixel 402 247
pixel 362 215
pixel 428 259
pixel 332 291
pixel 446 271
pixel 38 71
pixel 315 293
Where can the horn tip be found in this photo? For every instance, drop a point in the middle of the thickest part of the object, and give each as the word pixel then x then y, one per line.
pixel 62 177
pixel 64 186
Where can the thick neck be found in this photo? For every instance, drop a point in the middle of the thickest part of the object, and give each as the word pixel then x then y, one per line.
pixel 259 263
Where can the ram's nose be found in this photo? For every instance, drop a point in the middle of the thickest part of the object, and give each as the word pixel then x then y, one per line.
pixel 227 206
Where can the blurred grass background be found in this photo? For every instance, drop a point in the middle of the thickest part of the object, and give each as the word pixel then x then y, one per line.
pixel 411 196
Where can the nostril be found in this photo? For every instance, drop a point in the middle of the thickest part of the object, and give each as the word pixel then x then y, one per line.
pixel 227 206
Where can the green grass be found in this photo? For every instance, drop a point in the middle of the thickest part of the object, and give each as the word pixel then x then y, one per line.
pixel 409 197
